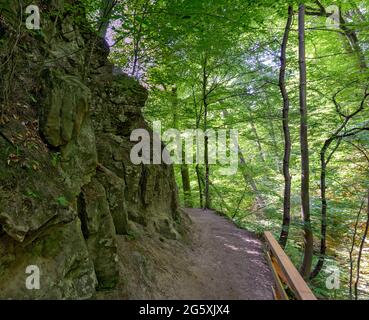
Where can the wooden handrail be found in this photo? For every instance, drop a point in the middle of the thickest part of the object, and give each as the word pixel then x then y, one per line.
pixel 285 273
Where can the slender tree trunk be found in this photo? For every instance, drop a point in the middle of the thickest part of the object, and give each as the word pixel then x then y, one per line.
pixel 287 136
pixel 351 253
pixel 227 207
pixel 305 174
pixel 137 38
pixel 197 168
pixel 199 182
pixel 186 181
pixel 207 174
pixel 323 191
pixel 323 196
pixel 174 102
pixel 205 103
pixel 362 244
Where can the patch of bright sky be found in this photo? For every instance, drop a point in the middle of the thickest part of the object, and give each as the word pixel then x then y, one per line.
pixel 110 34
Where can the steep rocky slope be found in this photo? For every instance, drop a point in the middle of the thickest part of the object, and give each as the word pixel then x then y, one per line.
pixel 67 185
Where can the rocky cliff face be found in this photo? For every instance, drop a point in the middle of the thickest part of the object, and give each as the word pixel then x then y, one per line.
pixel 67 185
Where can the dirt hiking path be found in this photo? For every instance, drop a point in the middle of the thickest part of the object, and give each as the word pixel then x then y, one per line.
pixel 229 262
pixel 220 262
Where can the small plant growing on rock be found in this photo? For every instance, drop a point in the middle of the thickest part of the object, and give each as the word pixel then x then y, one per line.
pixel 55 159
pixel 31 194
pixel 62 201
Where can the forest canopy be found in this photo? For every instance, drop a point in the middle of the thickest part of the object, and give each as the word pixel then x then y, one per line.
pixel 292 78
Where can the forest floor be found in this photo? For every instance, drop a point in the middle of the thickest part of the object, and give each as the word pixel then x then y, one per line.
pixel 220 262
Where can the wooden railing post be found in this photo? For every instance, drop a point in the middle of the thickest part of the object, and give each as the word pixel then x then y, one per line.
pixel 285 273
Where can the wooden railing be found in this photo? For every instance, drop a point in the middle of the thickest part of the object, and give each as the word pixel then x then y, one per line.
pixel 288 280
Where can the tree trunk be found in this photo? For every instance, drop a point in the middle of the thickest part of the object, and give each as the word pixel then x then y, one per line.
pixel 206 140
pixel 305 174
pixel 186 182
pixel 324 206
pixel 351 253
pixel 362 244
pixel 137 38
pixel 199 182
pixel 287 136
pixel 323 231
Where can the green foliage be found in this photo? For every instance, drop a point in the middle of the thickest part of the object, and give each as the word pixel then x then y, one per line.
pixel 31 194
pixel 167 45
pixel 55 158
pixel 130 236
pixel 62 201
